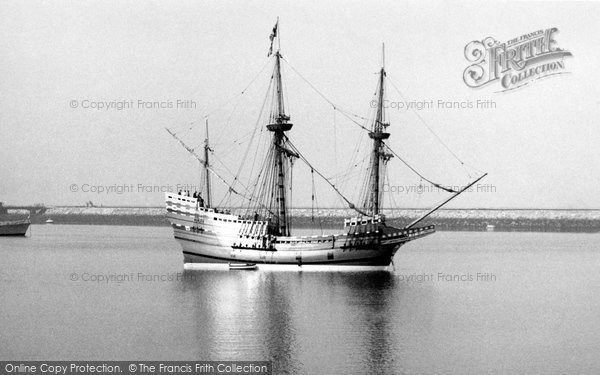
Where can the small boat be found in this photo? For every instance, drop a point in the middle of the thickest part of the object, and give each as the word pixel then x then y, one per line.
pixel 49 221
pixel 14 227
pixel 242 266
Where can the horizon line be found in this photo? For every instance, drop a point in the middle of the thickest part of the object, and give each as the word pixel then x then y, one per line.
pixel 346 208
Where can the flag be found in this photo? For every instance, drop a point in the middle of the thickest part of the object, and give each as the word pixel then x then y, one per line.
pixel 274 33
pixel 272 37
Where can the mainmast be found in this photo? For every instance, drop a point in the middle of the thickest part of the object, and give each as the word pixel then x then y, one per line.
pixel 279 125
pixel 206 168
pixel 379 157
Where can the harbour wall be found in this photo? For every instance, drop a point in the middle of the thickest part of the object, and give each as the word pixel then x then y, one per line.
pixel 529 220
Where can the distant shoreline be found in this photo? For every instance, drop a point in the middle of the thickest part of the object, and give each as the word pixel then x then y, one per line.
pixel 343 208
pixel 519 220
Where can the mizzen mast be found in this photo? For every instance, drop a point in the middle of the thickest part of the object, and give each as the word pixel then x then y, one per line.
pixel 206 163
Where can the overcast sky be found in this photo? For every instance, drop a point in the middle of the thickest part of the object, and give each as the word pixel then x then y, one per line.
pixel 539 145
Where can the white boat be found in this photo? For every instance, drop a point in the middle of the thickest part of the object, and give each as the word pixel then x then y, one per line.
pixel 242 266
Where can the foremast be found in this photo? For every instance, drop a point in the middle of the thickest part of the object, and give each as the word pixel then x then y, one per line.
pixel 379 157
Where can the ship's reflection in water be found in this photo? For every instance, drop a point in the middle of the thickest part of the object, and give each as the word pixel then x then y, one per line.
pixel 346 322
pixel 540 315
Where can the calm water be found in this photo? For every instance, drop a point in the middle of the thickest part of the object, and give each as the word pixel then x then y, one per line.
pixel 536 311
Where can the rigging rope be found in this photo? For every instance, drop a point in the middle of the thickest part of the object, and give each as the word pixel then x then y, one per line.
pixel 418 174
pixel 403 97
pixel 315 202
pixel 345 113
pixel 350 204
pixel 368 130
pixel 228 171
pixel 239 94
pixel 312 206
pixel 193 153
pixel 229 100
pixel 256 127
pixel 349 115
pixel 334 143
pixel 336 107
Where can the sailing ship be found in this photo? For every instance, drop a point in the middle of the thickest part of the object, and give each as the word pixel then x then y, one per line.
pixel 263 235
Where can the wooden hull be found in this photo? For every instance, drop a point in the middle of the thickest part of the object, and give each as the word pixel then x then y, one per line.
pixel 207 236
pixel 14 228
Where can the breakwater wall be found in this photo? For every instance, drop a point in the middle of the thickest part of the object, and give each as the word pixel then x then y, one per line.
pixel 449 219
